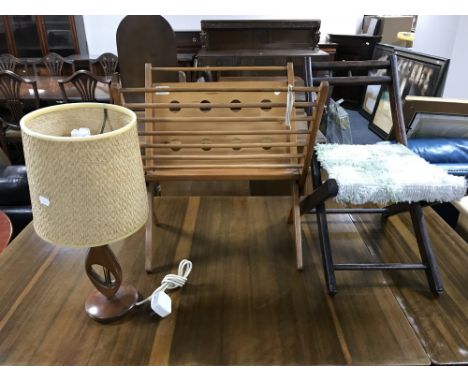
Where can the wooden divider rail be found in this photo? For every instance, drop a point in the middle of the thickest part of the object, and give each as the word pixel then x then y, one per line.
pixel 226 130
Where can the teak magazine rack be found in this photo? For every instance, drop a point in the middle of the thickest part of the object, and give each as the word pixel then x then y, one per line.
pixel 226 130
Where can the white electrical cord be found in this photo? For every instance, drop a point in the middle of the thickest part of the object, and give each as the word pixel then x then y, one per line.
pixel 160 301
pixel 289 106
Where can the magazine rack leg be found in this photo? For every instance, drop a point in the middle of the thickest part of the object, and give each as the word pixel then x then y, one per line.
pixel 149 247
pixel 296 215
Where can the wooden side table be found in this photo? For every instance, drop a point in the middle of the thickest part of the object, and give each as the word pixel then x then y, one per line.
pixel 6 230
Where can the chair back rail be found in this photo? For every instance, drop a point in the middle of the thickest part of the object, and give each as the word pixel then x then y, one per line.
pixel 53 64
pixel 390 79
pixel 108 62
pixel 9 62
pixel 85 83
pixel 227 129
pixel 10 93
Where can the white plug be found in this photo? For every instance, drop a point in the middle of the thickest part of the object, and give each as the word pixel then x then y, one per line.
pixel 161 304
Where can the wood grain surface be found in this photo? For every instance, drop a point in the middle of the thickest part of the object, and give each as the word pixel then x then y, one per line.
pixel 6 230
pixel 49 89
pixel 441 322
pixel 245 303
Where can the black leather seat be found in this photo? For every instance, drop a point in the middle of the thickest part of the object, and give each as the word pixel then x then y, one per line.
pixel 449 153
pixel 14 196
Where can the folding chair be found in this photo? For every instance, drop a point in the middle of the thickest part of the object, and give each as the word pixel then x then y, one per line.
pixel 227 130
pixel 383 174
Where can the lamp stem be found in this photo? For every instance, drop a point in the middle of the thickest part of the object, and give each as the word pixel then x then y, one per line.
pixel 104 121
pixel 104 257
pixel 111 300
pixel 107 276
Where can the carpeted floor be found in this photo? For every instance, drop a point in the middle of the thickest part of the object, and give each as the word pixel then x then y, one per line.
pixel 360 130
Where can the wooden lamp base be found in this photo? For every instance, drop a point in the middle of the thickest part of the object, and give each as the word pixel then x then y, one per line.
pixel 111 301
pixel 103 309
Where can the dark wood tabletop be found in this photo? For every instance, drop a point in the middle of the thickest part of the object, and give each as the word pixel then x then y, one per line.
pixel 49 89
pixel 6 230
pixel 244 303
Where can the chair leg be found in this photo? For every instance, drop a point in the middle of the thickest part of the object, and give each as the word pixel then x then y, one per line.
pixel 295 211
pixel 149 242
pixel 3 143
pixel 323 192
pixel 291 215
pixel 322 224
pixel 425 250
pixel 325 248
pixel 395 209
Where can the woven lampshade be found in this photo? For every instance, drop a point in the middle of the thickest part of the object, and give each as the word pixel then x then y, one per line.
pixel 85 191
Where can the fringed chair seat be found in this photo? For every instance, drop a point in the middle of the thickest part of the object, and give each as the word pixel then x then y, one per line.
pixel 386 174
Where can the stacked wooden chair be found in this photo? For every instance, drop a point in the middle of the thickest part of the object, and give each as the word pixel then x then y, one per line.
pixel 53 63
pixel 227 130
pixel 10 62
pixel 11 89
pixel 109 63
pixel 85 83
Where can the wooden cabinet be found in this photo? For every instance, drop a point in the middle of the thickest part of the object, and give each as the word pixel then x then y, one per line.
pixel 28 36
pixel 260 43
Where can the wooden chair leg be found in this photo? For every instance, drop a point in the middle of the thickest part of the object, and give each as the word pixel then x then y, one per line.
pixel 149 242
pixel 325 249
pixel 291 215
pixel 295 211
pixel 395 209
pixel 425 250
pixel 323 191
pixel 3 142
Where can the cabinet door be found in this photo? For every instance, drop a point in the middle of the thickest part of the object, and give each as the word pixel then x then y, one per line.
pixel 59 34
pixel 26 36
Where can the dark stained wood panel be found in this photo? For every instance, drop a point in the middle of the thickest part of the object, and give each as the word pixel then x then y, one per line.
pixel 26 268
pixel 245 303
pixel 259 34
pixel 440 322
pixel 250 305
pixel 51 326
pixel 374 329
pixel 199 188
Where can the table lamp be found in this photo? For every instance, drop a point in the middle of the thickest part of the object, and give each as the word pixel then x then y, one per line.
pixel 88 191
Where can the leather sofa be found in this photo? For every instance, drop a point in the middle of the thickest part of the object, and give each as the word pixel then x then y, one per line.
pixel 14 196
pixel 438 131
pixel 449 153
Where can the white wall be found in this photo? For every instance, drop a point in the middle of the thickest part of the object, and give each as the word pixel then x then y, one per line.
pixel 100 33
pixel 446 36
pixel 348 23
pixel 434 35
pixel 457 79
pixel 101 30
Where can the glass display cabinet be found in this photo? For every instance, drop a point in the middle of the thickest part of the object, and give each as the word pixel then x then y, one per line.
pixel 26 36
